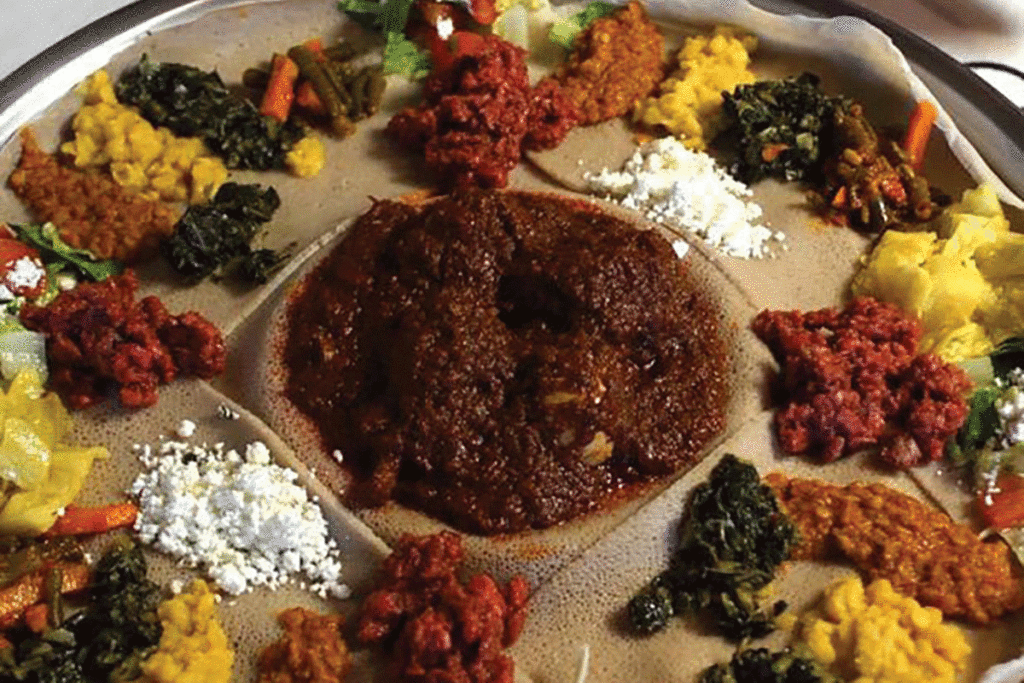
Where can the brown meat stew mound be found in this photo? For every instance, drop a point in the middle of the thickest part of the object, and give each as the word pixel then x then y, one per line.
pixel 505 361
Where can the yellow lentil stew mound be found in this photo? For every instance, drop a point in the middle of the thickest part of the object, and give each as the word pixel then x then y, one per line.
pixel 193 647
pixel 876 635
pixel 917 548
pixel 152 162
pixel 310 651
pixel 689 102
pixel 90 210
pixel 616 62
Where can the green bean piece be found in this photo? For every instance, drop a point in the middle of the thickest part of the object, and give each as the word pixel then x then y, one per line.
pixel 359 86
pixel 338 81
pixel 256 79
pixel 375 91
pixel 335 102
pixel 341 52
pixel 341 72
pixel 54 582
pixel 342 126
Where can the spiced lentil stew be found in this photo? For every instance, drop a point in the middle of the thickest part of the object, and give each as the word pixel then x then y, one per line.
pixel 505 361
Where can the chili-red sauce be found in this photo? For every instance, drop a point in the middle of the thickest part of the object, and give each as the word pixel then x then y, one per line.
pixel 505 361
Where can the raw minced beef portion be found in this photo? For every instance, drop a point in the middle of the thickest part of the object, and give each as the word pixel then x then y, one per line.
pixel 439 628
pixel 854 380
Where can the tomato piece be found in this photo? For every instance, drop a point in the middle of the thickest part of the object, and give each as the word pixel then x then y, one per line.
pixel 1003 507
pixel 466 44
pixel 20 278
pixel 483 11
pixel 12 250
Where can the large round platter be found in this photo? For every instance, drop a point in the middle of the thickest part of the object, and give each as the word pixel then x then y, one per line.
pixel 582 572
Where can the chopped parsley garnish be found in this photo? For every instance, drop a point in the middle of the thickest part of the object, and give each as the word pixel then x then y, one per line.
pixel 404 57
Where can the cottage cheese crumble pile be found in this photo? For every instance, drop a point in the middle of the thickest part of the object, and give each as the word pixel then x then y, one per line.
pixel 1010 407
pixel 668 183
pixel 240 517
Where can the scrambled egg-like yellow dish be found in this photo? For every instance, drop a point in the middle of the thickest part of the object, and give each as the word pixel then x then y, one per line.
pixel 876 635
pixel 44 475
pixel 965 284
pixel 689 102
pixel 150 161
pixel 193 647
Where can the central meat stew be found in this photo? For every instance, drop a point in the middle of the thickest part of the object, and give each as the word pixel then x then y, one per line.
pixel 505 360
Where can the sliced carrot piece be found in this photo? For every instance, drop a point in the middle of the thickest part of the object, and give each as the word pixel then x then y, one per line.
pixel 94 520
pixel 280 93
pixel 919 129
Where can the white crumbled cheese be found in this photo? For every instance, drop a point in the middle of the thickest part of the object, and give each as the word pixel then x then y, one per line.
pixel 241 518
pixel 338 456
pixel 186 429
pixel 1010 406
pixel 668 183
pixel 445 28
pixel 66 281
pixel 25 273
pixel 681 248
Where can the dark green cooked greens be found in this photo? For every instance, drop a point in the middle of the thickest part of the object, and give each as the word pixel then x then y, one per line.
pixel 194 103
pixel 778 129
pixel 216 235
pixel 106 641
pixel 734 538
pixel 761 666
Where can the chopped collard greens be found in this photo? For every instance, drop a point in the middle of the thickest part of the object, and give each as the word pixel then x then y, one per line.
pixel 761 666
pixel 213 235
pixel 777 129
pixel 563 33
pixel 106 641
pixel 195 103
pixel 734 537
